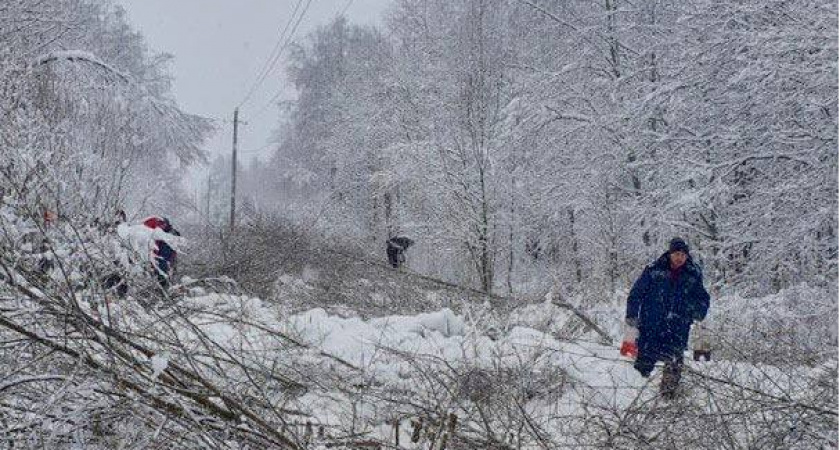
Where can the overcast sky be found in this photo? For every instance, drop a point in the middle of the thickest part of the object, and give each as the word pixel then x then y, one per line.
pixel 220 46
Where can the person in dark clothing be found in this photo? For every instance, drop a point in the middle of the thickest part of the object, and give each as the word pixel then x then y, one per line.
pixel 395 248
pixel 164 256
pixel 114 283
pixel 663 303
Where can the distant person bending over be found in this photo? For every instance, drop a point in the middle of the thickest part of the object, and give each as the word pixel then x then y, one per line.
pixel 164 257
pixel 396 247
pixel 666 299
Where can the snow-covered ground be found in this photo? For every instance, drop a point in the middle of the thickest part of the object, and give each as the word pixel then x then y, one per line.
pixel 522 377
pixel 431 365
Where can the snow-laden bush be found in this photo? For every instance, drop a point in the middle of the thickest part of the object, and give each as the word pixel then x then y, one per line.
pixel 82 365
pixel 796 326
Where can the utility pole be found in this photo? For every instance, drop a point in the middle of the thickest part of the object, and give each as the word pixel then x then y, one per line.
pixel 233 172
pixel 207 201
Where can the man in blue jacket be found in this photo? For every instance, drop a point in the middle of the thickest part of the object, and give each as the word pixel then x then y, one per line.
pixel 666 299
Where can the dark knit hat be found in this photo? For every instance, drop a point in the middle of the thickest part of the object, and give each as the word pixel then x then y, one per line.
pixel 677 244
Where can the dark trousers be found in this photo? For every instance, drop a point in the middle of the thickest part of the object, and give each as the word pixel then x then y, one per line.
pixel 395 257
pixel 162 269
pixel 671 375
pixel 113 282
pixel 644 363
pixel 671 372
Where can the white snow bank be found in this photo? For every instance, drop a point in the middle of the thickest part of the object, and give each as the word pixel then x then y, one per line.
pixel 402 353
pixel 359 341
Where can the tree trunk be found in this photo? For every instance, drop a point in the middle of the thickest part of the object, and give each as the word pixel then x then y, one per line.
pixel 575 245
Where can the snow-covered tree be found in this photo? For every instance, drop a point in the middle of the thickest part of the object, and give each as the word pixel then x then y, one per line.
pixel 538 142
pixel 331 147
pixel 111 136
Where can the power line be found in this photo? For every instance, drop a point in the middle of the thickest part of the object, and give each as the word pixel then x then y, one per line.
pixel 286 44
pixel 276 96
pixel 274 56
pixel 279 93
pixel 346 7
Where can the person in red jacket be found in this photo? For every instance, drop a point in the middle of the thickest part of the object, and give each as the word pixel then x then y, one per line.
pixel 164 257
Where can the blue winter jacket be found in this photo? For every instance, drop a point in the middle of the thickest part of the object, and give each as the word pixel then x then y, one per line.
pixel 664 309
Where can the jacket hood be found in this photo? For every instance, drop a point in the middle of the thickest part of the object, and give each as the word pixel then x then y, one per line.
pixel 665 264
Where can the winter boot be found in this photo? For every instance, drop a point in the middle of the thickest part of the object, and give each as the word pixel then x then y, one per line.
pixel 671 374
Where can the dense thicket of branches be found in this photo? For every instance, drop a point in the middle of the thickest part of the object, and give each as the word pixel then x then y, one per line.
pixel 525 140
pixel 523 143
pixel 87 127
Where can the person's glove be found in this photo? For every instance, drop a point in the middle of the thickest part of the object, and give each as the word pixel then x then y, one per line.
pixel 628 344
pixel 629 349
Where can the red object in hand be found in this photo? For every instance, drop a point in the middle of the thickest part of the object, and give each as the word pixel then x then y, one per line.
pixel 629 348
pixel 628 344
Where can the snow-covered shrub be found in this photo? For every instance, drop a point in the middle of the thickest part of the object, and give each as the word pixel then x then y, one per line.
pixel 797 326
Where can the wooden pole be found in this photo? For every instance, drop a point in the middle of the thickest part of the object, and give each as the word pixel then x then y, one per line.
pixel 233 172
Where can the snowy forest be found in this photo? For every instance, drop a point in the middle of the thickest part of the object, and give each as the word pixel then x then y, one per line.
pixel 539 154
